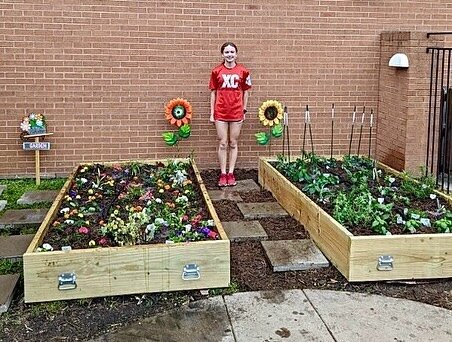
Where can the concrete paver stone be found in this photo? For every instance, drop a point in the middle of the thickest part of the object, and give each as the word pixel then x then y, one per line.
pixel 294 255
pixel 364 317
pixel 218 195
pixel 274 316
pixel 2 188
pixel 254 211
pixel 37 196
pixel 202 321
pixel 243 185
pixel 14 246
pixel 244 230
pixel 19 217
pixel 3 204
pixel 8 284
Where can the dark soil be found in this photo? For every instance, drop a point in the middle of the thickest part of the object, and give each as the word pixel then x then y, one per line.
pixel 84 319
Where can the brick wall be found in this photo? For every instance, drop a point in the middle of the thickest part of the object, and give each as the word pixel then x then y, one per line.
pixel 101 71
pixel 403 100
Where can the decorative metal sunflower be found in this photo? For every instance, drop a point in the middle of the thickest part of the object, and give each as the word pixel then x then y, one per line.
pixel 178 112
pixel 271 112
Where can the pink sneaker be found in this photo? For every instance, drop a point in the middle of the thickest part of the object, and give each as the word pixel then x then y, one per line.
pixel 223 181
pixel 231 179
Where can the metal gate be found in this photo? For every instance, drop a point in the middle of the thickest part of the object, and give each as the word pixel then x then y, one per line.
pixel 439 140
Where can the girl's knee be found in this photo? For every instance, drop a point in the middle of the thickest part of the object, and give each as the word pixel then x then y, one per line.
pixel 223 145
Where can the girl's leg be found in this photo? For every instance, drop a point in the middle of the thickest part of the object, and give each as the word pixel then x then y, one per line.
pixel 222 132
pixel 234 128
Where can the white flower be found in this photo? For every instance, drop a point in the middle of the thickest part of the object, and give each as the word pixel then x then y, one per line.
pixel 391 180
pixel 187 227
pixel 182 199
pixel 69 221
pixel 64 210
pixel 47 247
pixel 179 177
pixel 432 196
pixel 25 126
pixel 158 200
pixel 380 200
pixel 32 116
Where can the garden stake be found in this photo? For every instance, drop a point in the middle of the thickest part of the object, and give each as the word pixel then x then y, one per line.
pixel 310 132
pixel 370 130
pixel 332 130
pixel 351 136
pixel 306 113
pixel 286 133
pixel 361 130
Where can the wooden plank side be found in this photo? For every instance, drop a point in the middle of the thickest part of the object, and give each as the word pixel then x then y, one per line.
pixel 51 214
pixel 335 242
pixel 137 269
pixel 212 258
pixel 332 239
pixel 209 203
pixel 41 271
pixel 417 256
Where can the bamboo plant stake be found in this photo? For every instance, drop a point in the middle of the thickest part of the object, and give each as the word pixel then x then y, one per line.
pixel 370 130
pixel 286 133
pixel 310 132
pixel 306 113
pixel 351 136
pixel 361 130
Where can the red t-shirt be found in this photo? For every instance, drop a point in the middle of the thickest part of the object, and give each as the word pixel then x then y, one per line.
pixel 229 85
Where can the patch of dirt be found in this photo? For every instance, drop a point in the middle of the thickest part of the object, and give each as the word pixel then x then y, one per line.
pixel 80 320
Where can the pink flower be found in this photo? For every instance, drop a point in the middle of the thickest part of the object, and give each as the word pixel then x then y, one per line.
pixel 103 242
pixel 83 230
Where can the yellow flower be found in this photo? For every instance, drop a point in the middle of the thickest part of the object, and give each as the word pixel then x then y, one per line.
pixel 271 112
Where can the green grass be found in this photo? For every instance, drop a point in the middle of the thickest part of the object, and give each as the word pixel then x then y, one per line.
pixel 17 187
pixel 9 267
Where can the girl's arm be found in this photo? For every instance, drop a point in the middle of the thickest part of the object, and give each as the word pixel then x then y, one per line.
pixel 246 95
pixel 213 94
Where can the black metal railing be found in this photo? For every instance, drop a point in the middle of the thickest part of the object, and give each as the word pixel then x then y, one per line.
pixel 439 139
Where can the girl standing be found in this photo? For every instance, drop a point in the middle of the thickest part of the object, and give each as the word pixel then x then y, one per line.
pixel 229 85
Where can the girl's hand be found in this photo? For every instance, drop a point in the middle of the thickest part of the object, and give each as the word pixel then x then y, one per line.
pixel 211 119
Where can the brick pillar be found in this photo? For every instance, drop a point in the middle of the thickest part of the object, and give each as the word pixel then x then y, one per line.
pixel 403 100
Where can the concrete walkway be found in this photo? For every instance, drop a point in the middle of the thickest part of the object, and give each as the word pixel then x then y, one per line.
pixel 294 315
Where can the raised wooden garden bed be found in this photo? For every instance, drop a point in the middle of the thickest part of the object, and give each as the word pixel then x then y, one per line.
pixel 108 271
pixel 362 258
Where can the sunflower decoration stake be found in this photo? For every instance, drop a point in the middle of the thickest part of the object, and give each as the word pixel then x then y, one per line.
pixel 271 113
pixel 178 112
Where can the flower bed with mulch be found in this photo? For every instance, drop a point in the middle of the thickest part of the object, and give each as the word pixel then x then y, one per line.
pixel 121 228
pixel 129 204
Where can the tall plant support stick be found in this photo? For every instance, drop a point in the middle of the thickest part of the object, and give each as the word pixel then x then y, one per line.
pixel 310 132
pixel 370 130
pixel 286 128
pixel 306 114
pixel 286 133
pixel 332 131
pixel 361 130
pixel 351 135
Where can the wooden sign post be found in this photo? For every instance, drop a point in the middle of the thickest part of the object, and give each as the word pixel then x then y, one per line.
pixel 36 146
